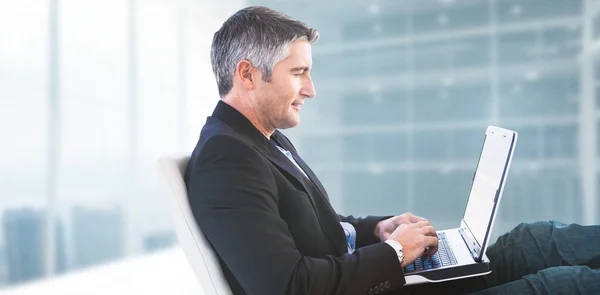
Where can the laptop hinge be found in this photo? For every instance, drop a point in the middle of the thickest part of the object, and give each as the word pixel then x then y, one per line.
pixel 470 240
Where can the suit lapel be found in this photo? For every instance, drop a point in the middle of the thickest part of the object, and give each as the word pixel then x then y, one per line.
pixel 283 163
pixel 277 137
pixel 329 220
pixel 311 175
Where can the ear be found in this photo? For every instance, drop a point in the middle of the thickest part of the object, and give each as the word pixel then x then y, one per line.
pixel 244 71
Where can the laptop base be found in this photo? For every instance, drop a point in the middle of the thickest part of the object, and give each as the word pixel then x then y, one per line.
pixel 449 273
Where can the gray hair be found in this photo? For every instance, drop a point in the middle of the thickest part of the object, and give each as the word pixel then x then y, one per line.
pixel 259 35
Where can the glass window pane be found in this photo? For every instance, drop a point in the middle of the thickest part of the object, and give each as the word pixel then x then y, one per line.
pixel 24 95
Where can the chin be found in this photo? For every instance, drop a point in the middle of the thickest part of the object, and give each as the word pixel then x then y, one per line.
pixel 288 126
pixel 290 123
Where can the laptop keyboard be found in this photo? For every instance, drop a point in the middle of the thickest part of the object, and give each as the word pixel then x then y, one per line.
pixel 443 257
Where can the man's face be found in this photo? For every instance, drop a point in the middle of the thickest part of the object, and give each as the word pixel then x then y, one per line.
pixel 279 101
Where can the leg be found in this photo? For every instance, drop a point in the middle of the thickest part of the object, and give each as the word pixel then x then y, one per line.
pixel 558 280
pixel 555 280
pixel 525 250
pixel 529 248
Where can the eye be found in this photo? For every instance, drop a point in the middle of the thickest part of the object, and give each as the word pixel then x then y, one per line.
pixel 298 74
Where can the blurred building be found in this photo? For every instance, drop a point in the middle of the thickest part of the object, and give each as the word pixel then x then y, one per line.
pixel 159 240
pixel 98 235
pixel 406 89
pixel 3 267
pixel 24 245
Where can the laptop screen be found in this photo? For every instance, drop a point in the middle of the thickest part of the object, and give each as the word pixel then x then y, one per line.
pixel 487 182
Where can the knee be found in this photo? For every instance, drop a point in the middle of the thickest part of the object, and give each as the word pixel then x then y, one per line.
pixel 530 229
pixel 539 227
pixel 548 224
pixel 540 230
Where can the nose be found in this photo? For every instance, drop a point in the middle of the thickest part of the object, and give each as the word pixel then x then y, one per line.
pixel 308 88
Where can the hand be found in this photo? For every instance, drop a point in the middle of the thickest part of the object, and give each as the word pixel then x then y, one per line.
pixel 416 239
pixel 386 227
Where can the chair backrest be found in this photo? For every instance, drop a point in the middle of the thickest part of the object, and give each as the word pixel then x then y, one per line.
pixel 197 250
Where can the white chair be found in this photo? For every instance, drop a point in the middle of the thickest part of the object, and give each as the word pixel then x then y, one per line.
pixel 197 250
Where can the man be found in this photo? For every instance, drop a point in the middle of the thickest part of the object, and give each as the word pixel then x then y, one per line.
pixel 269 219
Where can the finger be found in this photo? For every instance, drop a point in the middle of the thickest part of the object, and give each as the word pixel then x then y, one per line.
pixel 430 251
pixel 400 219
pixel 422 223
pixel 386 235
pixel 415 218
pixel 429 231
pixel 431 242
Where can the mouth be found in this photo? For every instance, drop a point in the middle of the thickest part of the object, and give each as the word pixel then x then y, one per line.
pixel 297 105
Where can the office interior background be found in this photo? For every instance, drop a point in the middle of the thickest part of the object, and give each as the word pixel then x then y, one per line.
pixel 92 93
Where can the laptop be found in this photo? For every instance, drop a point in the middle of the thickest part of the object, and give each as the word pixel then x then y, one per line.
pixel 461 251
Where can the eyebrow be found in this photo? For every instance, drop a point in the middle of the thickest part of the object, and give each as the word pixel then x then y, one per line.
pixel 296 69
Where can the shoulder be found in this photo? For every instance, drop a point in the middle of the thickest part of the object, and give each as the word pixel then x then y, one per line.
pixel 223 148
pixel 220 140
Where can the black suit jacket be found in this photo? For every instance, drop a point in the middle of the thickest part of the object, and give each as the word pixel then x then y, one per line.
pixel 273 229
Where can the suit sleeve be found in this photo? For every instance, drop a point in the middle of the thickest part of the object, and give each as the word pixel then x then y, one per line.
pixel 365 228
pixel 234 199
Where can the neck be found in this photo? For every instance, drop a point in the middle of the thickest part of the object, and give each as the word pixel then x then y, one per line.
pixel 252 114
